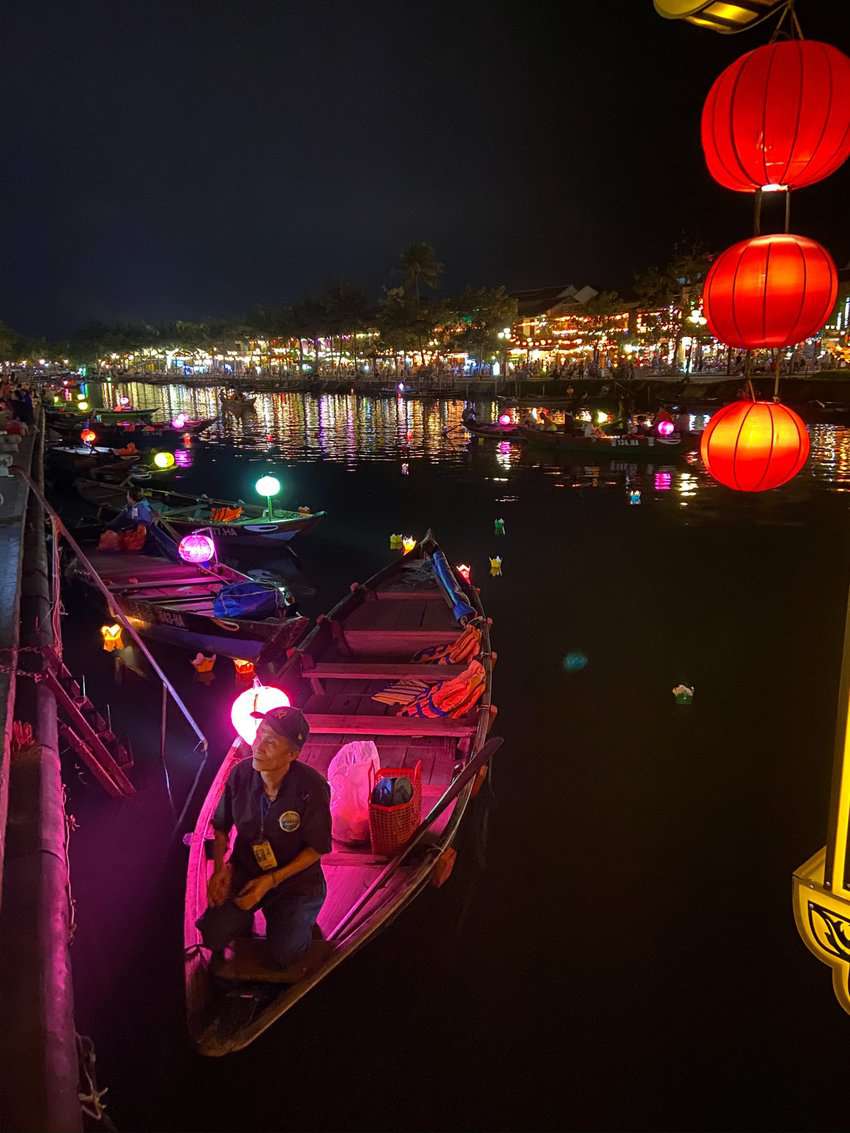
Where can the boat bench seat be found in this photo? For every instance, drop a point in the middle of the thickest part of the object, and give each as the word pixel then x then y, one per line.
pixel 388 725
pixel 380 670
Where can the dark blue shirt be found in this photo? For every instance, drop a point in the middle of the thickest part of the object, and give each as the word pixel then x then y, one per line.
pixel 299 818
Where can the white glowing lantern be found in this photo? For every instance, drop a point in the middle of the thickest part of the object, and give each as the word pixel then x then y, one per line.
pixel 260 698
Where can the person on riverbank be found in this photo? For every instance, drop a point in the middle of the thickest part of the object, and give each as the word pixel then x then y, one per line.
pixel 281 810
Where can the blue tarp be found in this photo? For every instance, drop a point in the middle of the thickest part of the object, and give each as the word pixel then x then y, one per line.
pixel 460 606
pixel 247 600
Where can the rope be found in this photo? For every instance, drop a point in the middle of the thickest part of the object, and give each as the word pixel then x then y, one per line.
pixel 91 1098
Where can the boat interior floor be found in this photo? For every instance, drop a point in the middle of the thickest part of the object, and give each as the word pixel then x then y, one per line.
pixel 348 870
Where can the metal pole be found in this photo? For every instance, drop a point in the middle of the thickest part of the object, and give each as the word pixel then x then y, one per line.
pixel 113 604
pixel 835 866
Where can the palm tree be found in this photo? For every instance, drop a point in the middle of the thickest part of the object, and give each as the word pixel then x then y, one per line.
pixel 420 266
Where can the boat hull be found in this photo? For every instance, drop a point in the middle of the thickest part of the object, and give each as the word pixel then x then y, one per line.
pixel 591 448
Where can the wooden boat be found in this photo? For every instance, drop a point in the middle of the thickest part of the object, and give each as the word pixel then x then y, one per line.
pixel 85 459
pixel 172 602
pixel 625 448
pixel 365 643
pixel 491 429
pixel 75 417
pixel 187 513
pixel 142 434
pixel 239 404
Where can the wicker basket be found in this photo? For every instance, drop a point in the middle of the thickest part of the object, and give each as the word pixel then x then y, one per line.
pixel 391 826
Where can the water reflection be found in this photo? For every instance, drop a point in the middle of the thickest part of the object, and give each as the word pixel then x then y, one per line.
pixel 351 429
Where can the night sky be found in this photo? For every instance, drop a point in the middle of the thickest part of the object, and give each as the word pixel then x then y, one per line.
pixel 180 160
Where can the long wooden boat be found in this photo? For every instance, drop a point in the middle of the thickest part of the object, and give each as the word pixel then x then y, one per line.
pixel 364 644
pixel 172 602
pixel 74 416
pixel 187 513
pixel 491 429
pixel 83 459
pixel 141 433
pixel 609 448
pixel 237 404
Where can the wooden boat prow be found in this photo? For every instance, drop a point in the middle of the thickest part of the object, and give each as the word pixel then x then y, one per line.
pixel 331 675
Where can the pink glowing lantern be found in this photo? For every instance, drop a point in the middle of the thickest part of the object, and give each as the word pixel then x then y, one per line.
pixel 505 419
pixel 179 421
pixel 260 698
pixel 665 428
pixel 196 548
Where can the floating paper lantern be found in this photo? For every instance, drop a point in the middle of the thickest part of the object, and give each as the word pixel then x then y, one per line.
pixel 260 698
pixel 498 527
pixel 505 419
pixel 753 446
pixel 243 668
pixel 179 421
pixel 164 460
pixel 634 496
pixel 770 291
pixel 395 542
pixel 665 428
pixel 408 543
pixel 112 638
pixel 464 570
pixel 778 117
pixel 88 436
pixel 196 548
pixel 495 566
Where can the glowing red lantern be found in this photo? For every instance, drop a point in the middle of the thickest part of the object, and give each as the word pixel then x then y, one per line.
pixel 770 291
pixel 88 436
pixel 778 117
pixel 754 445
pixel 196 548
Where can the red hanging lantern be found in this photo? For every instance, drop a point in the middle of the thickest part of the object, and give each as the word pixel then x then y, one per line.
pixel 770 291
pixel 778 117
pixel 754 445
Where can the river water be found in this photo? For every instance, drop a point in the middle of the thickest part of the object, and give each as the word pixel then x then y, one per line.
pixel 627 958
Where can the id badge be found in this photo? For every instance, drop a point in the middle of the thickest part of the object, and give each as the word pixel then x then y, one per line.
pixel 264 855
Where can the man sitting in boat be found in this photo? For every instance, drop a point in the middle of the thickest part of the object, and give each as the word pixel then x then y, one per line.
pixel 281 810
pixel 468 415
pixel 138 510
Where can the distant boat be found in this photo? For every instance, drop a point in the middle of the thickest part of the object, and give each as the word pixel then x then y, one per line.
pixel 185 513
pixel 366 642
pixel 237 404
pixel 491 429
pixel 622 447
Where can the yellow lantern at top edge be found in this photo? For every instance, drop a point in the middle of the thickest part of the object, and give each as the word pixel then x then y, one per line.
pixel 724 16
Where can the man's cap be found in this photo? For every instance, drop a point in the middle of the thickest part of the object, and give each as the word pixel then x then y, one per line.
pixel 287 722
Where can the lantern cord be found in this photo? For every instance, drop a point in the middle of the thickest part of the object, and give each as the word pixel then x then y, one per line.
pixel 787 11
pixel 757 213
pixel 776 375
pixel 787 210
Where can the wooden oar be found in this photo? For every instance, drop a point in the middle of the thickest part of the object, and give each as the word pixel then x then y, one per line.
pixel 448 796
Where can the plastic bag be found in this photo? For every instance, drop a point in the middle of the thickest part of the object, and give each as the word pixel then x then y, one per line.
pixel 247 600
pixel 348 775
pixel 109 541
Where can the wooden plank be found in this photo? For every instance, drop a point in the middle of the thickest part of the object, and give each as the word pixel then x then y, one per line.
pixel 383 670
pixel 416 638
pixel 405 595
pixel 386 725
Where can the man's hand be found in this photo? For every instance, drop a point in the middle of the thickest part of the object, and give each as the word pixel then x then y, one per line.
pixel 254 891
pixel 218 887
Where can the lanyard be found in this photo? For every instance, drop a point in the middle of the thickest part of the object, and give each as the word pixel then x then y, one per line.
pixel 266 805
